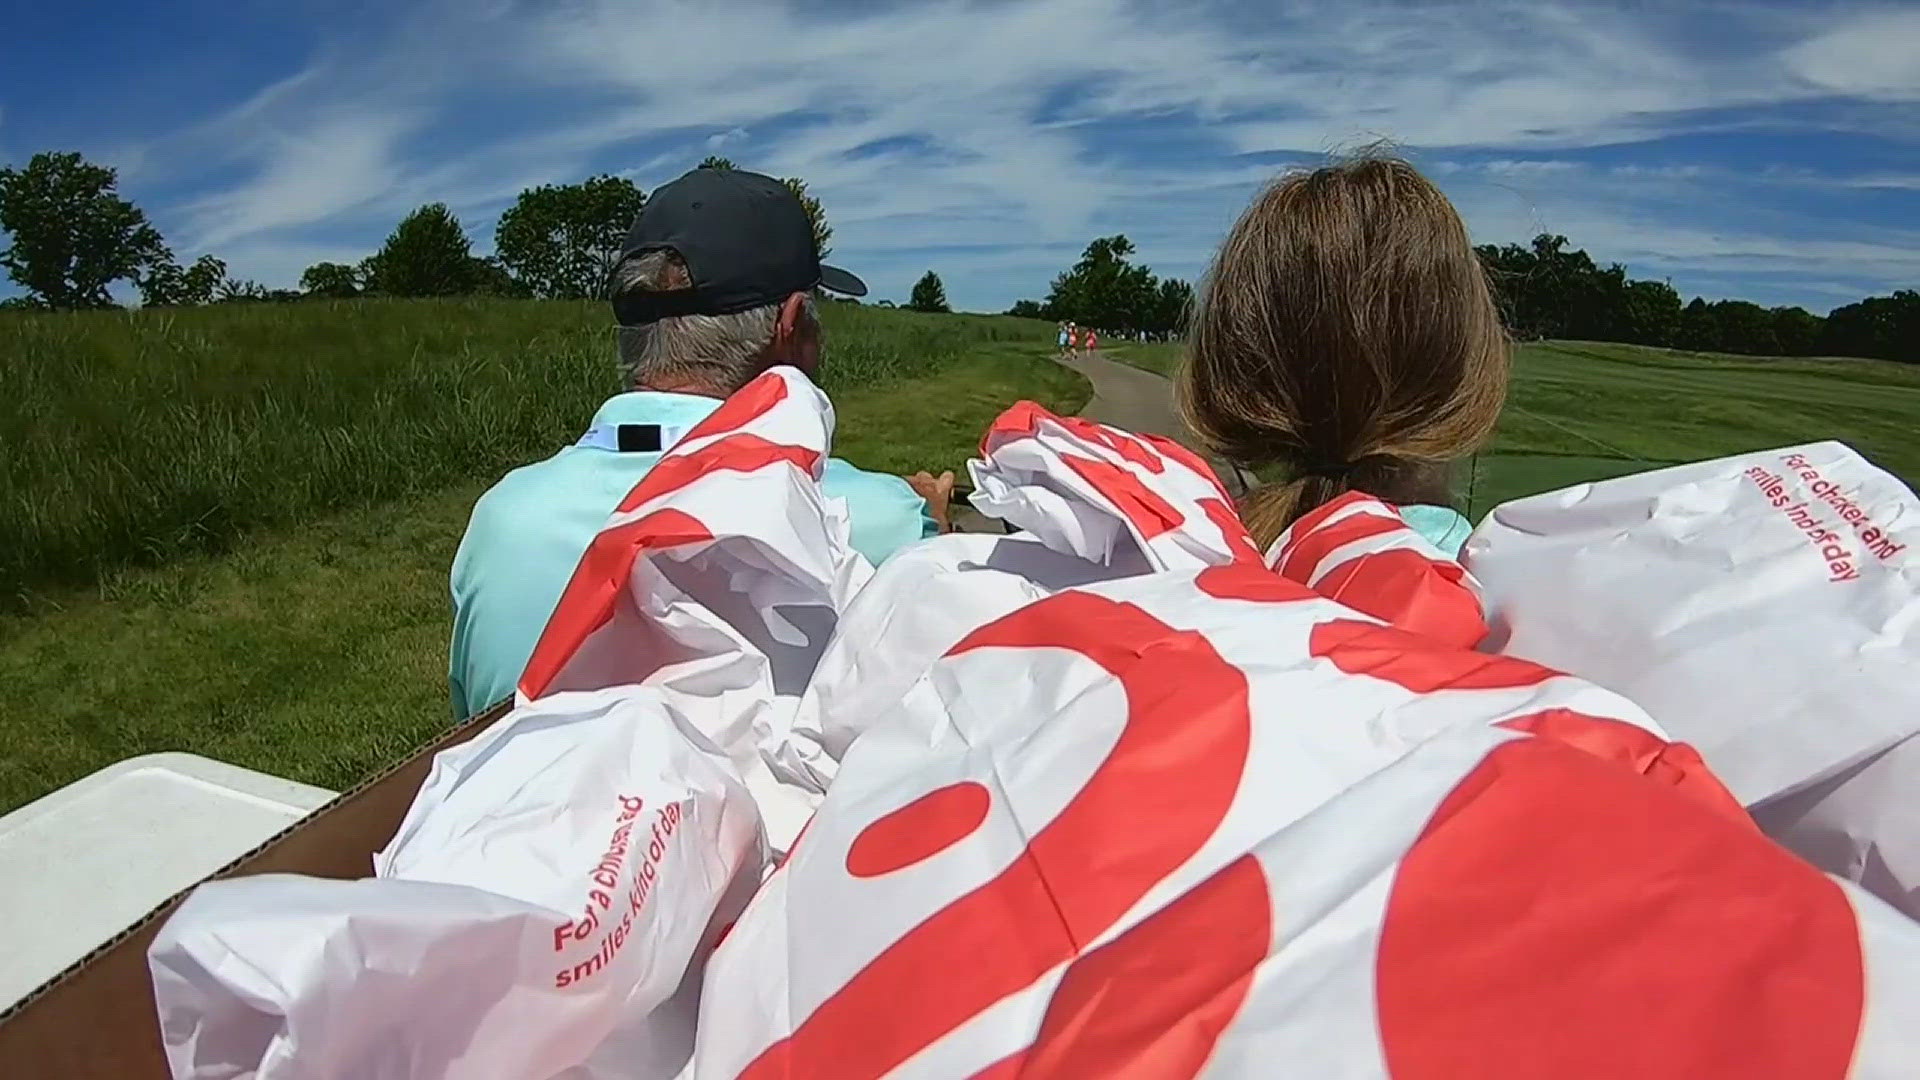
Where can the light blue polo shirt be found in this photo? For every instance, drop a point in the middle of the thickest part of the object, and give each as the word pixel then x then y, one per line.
pixel 528 531
pixel 1443 526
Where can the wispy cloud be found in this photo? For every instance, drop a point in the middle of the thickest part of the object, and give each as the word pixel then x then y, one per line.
pixel 318 173
pixel 1875 54
pixel 995 136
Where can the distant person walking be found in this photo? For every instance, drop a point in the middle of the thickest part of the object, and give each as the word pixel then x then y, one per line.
pixel 1093 341
pixel 1066 342
pixel 1348 334
pixel 714 286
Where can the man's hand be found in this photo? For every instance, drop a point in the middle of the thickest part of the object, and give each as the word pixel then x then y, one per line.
pixel 938 492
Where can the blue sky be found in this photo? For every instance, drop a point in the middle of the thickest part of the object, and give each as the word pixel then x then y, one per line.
pixel 1769 151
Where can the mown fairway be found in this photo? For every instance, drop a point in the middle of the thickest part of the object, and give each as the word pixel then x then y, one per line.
pixel 227 530
pixel 1585 410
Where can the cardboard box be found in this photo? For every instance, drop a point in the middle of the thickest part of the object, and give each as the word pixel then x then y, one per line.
pixel 96 1020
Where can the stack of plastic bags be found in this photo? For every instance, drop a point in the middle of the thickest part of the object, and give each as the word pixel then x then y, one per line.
pixel 1116 796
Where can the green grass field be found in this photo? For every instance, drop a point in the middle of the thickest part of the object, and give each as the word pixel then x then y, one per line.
pixel 1586 410
pixel 136 437
pixel 303 631
pixel 228 530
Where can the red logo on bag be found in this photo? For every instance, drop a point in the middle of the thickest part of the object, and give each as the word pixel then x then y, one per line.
pixel 1177 764
pixel 1561 917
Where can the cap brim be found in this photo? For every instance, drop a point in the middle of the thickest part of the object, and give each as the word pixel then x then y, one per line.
pixel 838 280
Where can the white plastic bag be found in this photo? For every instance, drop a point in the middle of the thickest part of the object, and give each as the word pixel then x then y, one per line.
pixel 1095 503
pixel 541 903
pixel 722 576
pixel 1134 503
pixel 547 903
pixel 918 604
pixel 1765 608
pixel 1191 824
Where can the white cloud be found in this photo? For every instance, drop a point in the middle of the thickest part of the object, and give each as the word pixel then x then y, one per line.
pixel 1875 54
pixel 309 175
pixel 1021 127
pixel 1511 167
pixel 1890 181
pixel 1661 172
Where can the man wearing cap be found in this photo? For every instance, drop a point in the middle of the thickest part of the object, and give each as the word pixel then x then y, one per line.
pixel 714 286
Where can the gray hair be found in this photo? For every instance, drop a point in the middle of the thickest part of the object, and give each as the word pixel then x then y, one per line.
pixel 719 352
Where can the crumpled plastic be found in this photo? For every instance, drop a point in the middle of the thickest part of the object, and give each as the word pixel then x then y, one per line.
pixel 1766 608
pixel 1115 796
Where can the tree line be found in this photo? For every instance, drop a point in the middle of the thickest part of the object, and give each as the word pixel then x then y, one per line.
pixel 1548 290
pixel 73 236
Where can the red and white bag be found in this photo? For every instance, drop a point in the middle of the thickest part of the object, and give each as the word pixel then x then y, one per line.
pixel 1765 608
pixel 1361 552
pixel 1108 799
pixel 1181 822
pixel 1192 824
pixel 548 900
pixel 1135 503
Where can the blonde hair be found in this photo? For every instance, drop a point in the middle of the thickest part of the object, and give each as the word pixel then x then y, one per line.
pixel 1346 331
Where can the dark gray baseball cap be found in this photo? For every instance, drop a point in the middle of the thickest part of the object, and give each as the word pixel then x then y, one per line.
pixel 746 241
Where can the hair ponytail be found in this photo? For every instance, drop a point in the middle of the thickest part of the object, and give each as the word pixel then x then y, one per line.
pixel 1346 335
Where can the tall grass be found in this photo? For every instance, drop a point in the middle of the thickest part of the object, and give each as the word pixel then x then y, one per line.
pixel 131 437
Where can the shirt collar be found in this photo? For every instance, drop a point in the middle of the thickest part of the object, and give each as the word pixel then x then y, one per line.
pixel 655 407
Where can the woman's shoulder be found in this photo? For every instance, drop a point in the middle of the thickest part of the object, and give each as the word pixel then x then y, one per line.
pixel 1442 526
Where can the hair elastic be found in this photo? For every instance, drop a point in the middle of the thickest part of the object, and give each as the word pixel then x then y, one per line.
pixel 1323 468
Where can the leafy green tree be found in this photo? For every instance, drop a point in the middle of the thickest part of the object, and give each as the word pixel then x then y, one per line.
pixel 715 161
pixel 816 215
pixel 1029 309
pixel 241 291
pixel 490 277
pixel 428 254
pixel 1172 305
pixel 1549 289
pixel 72 234
pixel 929 295
pixel 1883 327
pixel 1698 331
pixel 1103 289
pixel 1796 331
pixel 366 272
pixel 563 240
pixel 1745 327
pixel 1650 313
pixel 165 284
pixel 332 280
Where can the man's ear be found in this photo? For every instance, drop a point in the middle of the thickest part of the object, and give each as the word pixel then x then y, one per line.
pixel 791 310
